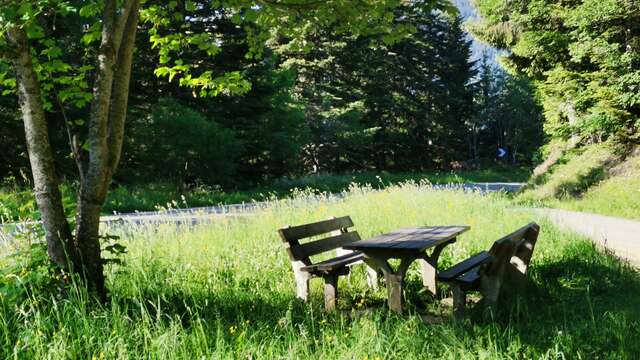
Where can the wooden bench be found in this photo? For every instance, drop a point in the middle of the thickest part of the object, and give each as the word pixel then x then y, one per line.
pixel 508 259
pixel 300 254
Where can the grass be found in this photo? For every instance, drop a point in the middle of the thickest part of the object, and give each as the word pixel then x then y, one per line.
pixel 226 290
pixel 19 204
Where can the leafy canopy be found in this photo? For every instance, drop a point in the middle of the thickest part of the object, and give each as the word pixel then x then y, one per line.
pixel 65 35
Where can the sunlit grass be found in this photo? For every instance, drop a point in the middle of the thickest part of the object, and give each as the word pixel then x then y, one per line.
pixel 18 204
pixel 591 182
pixel 226 290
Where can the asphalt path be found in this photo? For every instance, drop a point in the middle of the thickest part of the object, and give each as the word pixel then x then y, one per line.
pixel 621 236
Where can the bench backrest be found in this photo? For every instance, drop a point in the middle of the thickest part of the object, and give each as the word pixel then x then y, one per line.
pixel 524 250
pixel 502 251
pixel 336 230
pixel 513 252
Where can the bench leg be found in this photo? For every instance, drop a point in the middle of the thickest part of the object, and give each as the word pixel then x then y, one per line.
pixel 490 289
pixel 302 280
pixel 330 291
pixel 459 302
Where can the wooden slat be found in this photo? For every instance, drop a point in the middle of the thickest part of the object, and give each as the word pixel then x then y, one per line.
pixel 524 250
pixel 326 244
pixel 502 251
pixel 464 266
pixel 521 232
pixel 416 239
pixel 469 280
pixel 293 233
pixel 332 264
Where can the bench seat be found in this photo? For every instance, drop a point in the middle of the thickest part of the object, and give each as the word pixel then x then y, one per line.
pixel 334 264
pixel 465 266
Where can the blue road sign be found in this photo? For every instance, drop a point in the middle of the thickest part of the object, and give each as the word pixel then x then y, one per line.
pixel 501 152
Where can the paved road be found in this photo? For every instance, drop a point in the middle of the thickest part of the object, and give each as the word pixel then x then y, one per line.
pixel 619 235
pixel 208 214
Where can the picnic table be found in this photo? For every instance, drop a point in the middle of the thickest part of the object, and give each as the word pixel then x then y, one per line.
pixel 408 245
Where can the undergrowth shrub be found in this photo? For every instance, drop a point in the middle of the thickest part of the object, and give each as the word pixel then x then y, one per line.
pixel 28 276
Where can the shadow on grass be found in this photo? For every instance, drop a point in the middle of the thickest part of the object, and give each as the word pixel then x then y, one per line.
pixel 225 308
pixel 584 301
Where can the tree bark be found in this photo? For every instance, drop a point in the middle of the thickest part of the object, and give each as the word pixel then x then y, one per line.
pixel 121 82
pixel 106 128
pixel 57 231
pixel 93 191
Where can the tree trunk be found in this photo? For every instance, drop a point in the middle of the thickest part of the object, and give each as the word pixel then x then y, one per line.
pixel 105 135
pixel 88 243
pixel 57 231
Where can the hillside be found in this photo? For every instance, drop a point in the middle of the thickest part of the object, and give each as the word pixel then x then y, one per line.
pixel 601 178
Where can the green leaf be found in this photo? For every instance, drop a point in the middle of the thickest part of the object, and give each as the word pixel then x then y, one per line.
pixel 34 31
pixel 89 10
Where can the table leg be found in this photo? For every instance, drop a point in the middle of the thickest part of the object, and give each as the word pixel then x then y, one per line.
pixel 394 280
pixel 394 291
pixel 428 267
pixel 372 273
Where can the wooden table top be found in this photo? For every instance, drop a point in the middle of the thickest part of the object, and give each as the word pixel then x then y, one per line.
pixel 410 239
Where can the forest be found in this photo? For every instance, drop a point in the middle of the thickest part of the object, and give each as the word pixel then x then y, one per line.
pixel 343 103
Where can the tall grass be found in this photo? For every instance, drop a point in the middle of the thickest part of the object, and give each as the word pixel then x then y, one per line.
pixel 226 290
pixel 19 204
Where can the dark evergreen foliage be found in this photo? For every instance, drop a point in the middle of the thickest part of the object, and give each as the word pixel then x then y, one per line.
pixel 347 103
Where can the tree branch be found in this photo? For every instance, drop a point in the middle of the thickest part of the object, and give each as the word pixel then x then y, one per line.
pixel 121 84
pixel 122 21
pixel 93 190
pixel 76 149
pixel 288 5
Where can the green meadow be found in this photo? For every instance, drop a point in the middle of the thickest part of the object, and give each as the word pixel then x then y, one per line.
pixel 225 291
